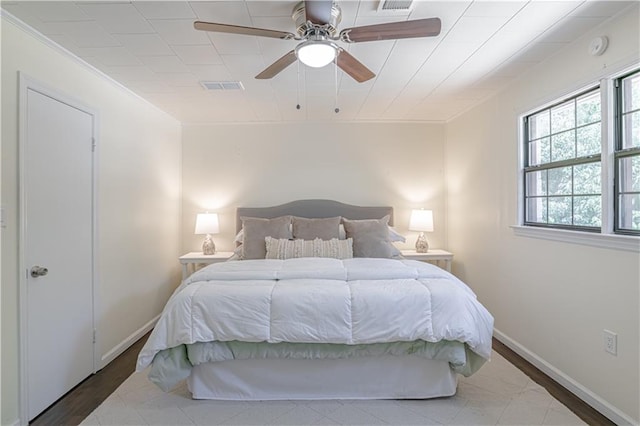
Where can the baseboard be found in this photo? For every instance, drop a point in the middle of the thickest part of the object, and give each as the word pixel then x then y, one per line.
pixel 124 345
pixel 604 407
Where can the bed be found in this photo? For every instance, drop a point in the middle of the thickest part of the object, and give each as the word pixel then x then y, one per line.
pixel 318 306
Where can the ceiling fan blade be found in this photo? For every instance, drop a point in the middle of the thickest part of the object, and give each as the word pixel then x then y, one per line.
pixel 237 29
pixel 318 11
pixel 394 30
pixel 278 66
pixel 353 67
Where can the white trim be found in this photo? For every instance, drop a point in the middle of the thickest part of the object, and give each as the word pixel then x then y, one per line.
pixel 126 343
pixel 607 140
pixel 27 83
pixel 23 396
pixel 95 158
pixel 520 173
pixel 582 392
pixel 608 241
pixel 313 121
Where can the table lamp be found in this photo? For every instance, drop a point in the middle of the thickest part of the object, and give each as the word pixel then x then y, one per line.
pixel 421 220
pixel 207 223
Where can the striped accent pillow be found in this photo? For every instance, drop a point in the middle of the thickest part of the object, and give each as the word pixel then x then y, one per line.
pixel 289 249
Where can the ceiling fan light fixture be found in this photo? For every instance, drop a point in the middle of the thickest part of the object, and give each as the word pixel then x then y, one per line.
pixel 316 53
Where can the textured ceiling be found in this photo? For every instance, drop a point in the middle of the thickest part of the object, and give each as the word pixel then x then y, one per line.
pixel 151 48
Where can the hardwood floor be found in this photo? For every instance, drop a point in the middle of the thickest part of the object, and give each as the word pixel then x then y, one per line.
pixel 587 413
pixel 76 405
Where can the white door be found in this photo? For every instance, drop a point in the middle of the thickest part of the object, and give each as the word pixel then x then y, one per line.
pixel 58 236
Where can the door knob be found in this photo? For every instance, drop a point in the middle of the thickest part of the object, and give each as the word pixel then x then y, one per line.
pixel 39 271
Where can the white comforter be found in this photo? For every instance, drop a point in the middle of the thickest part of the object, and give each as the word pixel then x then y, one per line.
pixel 313 300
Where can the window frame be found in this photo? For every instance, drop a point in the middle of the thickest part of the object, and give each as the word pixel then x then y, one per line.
pixel 620 152
pixel 558 164
pixel 605 236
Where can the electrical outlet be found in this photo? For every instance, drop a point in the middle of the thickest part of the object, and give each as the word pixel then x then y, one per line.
pixel 610 342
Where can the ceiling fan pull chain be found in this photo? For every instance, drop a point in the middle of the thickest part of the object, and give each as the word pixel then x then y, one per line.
pixel 298 88
pixel 335 74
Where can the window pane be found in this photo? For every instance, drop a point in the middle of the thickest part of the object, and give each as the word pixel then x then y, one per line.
pixel 588 108
pixel 560 210
pixel 630 212
pixel 631 93
pixel 539 125
pixel 539 151
pixel 537 183
pixel 629 169
pixel 586 179
pixel 536 210
pixel 563 117
pixel 631 130
pixel 563 146
pixel 589 140
pixel 587 211
pixel 559 181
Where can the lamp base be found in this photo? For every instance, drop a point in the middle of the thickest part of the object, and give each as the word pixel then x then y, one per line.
pixel 208 246
pixel 422 245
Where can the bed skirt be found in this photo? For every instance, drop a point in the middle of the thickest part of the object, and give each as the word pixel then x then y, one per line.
pixel 388 377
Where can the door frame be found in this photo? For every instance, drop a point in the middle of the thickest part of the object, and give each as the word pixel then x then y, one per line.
pixel 27 83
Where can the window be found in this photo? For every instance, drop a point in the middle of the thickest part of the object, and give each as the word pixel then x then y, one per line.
pixel 627 154
pixel 562 169
pixel 581 166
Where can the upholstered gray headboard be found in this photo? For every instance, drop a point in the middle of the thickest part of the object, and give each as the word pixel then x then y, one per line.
pixel 315 209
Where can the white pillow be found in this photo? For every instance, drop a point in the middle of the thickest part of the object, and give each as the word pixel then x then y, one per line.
pixel 288 249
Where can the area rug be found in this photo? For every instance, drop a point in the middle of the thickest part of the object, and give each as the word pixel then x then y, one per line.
pixel 497 394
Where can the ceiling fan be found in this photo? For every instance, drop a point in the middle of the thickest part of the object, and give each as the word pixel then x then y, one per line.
pixel 316 26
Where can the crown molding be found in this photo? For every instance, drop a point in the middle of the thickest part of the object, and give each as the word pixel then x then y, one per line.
pixel 8 17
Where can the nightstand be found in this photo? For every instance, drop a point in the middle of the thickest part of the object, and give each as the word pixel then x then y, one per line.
pixel 441 258
pixel 193 261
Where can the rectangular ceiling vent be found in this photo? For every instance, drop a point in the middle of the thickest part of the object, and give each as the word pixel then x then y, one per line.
pixel 222 85
pixel 395 6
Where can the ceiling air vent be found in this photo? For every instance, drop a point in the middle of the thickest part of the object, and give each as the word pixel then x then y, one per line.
pixel 222 85
pixel 398 6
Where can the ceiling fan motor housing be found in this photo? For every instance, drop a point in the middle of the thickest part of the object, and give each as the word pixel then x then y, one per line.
pixel 303 26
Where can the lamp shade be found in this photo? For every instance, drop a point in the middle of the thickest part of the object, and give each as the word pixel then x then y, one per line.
pixel 316 54
pixel 421 220
pixel 207 223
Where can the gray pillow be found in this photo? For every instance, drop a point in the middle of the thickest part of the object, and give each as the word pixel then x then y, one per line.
pixel 310 229
pixel 255 231
pixel 370 237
